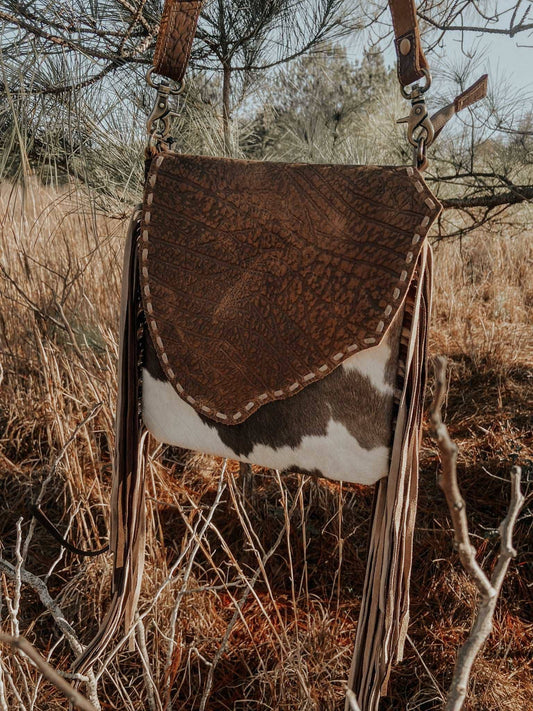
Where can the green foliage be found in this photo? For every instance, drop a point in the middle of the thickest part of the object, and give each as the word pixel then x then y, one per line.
pixel 320 109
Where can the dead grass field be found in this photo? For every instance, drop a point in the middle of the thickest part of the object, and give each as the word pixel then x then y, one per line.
pixel 250 595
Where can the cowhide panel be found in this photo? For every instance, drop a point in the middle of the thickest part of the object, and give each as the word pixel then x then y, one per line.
pixel 339 427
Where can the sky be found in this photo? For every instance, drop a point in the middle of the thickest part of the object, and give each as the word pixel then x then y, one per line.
pixel 506 60
pixel 503 58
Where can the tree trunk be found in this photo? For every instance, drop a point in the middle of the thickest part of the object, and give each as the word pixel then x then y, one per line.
pixel 226 107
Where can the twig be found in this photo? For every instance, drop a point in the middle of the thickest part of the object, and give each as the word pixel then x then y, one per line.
pixel 489 589
pixel 49 603
pixel 152 695
pixel 21 645
pixel 13 605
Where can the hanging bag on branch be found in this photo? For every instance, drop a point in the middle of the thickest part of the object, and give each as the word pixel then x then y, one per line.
pixel 278 314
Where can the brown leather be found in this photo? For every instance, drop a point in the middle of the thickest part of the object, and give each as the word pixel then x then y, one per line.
pixel 412 62
pixel 176 33
pixel 261 278
pixel 474 93
pixel 180 18
pixel 128 516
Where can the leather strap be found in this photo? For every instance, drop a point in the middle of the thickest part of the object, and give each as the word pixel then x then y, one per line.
pixel 180 18
pixel 411 59
pixel 474 93
pixel 176 33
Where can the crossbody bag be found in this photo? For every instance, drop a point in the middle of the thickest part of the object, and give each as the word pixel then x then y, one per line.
pixel 278 314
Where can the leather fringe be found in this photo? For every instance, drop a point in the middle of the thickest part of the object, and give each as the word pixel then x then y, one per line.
pixel 384 615
pixel 128 517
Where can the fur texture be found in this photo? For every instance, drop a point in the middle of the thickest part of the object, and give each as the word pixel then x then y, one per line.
pixel 339 427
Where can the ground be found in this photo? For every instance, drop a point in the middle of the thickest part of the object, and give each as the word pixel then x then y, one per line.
pixel 250 596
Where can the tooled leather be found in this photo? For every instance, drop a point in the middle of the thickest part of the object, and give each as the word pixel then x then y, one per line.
pixel 261 278
pixel 176 33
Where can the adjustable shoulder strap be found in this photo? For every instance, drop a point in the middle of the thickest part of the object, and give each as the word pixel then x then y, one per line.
pixel 180 18
pixel 176 33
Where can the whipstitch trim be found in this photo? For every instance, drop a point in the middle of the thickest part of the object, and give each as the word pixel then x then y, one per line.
pixel 297 385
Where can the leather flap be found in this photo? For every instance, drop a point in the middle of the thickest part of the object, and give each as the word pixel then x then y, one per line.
pixel 261 278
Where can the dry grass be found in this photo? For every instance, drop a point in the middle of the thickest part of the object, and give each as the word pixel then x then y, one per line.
pixel 260 613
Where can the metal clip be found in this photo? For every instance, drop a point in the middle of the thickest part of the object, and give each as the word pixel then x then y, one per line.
pixel 420 129
pixel 158 124
pixel 418 122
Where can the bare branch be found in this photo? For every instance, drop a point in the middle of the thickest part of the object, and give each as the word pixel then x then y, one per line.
pixel 489 589
pixel 509 31
pixel 520 193
pixel 21 645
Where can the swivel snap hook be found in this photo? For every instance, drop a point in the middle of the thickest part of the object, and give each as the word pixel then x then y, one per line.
pixel 159 122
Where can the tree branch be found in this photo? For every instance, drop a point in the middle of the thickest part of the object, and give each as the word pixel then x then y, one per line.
pixel 520 193
pixel 489 589
pixel 21 645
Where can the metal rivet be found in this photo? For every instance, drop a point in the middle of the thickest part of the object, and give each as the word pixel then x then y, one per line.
pixel 405 46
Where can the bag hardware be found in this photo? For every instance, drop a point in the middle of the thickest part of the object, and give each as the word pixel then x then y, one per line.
pixel 159 122
pixel 420 130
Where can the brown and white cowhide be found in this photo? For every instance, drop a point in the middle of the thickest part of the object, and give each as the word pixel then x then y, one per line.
pixel 339 427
